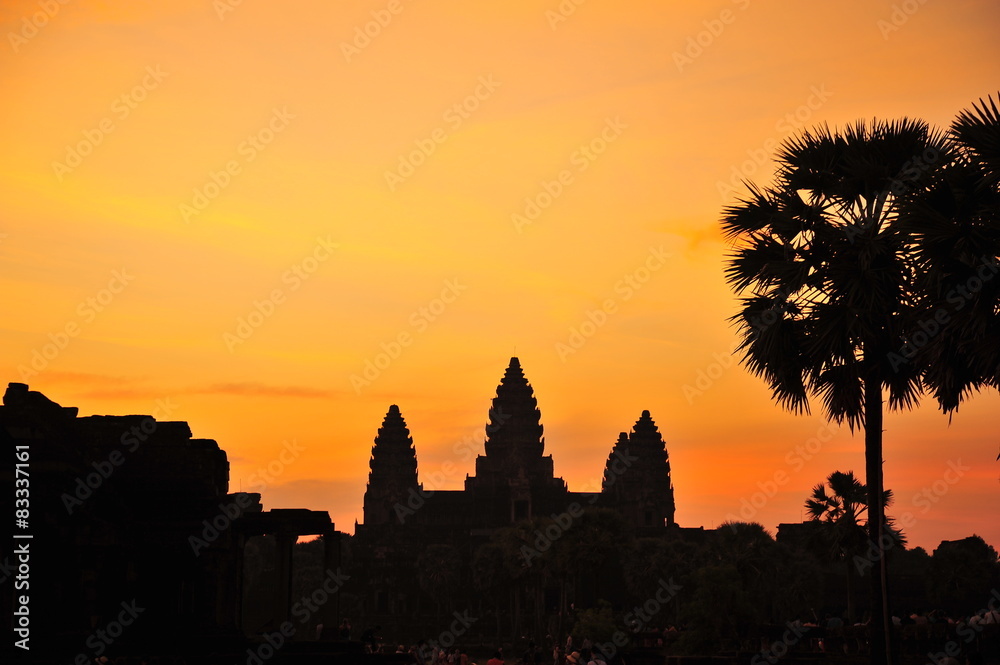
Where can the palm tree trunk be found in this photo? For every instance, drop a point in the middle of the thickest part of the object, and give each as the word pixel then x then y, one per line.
pixel 539 605
pixel 881 619
pixel 562 608
pixel 517 613
pixel 850 590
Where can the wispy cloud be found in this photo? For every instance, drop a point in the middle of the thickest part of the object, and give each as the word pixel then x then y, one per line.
pixel 87 378
pixel 262 390
pixel 104 386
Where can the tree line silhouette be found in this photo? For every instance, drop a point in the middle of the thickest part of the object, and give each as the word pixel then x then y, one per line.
pixel 726 589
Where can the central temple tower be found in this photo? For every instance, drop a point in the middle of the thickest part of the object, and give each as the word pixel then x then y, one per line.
pixel 514 478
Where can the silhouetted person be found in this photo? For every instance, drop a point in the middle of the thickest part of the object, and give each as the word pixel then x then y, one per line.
pixel 531 654
pixel 370 638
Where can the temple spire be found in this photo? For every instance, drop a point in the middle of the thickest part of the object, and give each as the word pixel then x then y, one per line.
pixel 637 476
pixel 515 430
pixel 618 462
pixel 393 469
pixel 514 443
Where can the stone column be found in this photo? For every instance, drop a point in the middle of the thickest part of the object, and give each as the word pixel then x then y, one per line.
pixel 283 574
pixel 331 561
pixel 240 556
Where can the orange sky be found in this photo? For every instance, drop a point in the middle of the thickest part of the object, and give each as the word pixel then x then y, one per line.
pixel 228 158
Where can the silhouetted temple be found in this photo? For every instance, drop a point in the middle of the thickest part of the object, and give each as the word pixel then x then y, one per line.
pixel 514 481
pixel 134 512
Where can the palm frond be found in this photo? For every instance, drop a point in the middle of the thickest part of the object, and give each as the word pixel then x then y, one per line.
pixel 978 131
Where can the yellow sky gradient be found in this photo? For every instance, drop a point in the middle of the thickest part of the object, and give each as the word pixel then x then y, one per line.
pixel 118 115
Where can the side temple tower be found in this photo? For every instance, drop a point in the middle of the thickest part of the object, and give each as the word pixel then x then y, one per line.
pixel 393 476
pixel 637 477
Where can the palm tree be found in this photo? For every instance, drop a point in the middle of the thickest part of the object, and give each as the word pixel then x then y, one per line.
pixel 748 546
pixel 489 577
pixel 827 278
pixel 844 510
pixel 801 587
pixel 584 551
pixel 439 573
pixel 955 224
pixel 526 566
pixel 751 549
pixel 648 562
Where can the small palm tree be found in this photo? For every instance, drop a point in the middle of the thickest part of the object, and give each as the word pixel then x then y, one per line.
pixel 752 550
pixel 489 577
pixel 439 572
pixel 843 508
